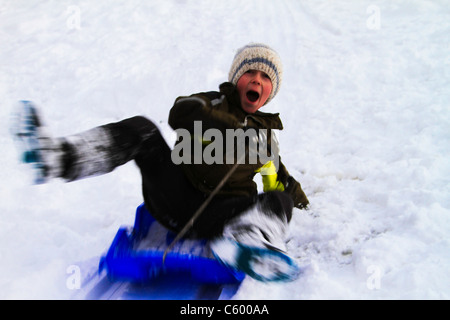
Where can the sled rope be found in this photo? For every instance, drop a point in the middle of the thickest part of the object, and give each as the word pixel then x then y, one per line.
pixel 200 210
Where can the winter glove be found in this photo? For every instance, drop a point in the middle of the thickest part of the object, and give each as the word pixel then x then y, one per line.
pixel 293 188
pixel 187 110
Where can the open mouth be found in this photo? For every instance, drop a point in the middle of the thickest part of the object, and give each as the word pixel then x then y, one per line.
pixel 252 96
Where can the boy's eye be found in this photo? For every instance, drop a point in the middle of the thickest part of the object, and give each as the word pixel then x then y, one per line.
pixel 265 75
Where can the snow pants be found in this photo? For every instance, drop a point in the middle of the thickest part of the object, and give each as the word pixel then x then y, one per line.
pixel 168 194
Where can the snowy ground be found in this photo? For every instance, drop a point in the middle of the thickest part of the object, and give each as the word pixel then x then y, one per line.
pixel 365 103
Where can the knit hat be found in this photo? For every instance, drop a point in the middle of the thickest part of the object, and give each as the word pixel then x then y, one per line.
pixel 257 56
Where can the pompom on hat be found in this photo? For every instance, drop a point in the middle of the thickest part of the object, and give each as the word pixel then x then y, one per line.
pixel 261 57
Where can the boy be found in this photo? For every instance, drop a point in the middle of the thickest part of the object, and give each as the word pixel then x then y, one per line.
pixel 173 192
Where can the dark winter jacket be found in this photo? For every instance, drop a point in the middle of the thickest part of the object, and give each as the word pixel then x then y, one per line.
pixel 222 111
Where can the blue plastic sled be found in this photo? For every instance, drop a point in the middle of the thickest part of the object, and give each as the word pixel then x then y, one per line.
pixel 190 270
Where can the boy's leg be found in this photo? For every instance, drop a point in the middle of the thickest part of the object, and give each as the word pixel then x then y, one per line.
pixel 102 149
pixel 167 192
pixel 264 218
pixel 254 240
pixel 168 195
pixel 265 224
pixel 36 147
pixel 74 157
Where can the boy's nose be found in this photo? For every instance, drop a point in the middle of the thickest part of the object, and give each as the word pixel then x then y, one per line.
pixel 256 79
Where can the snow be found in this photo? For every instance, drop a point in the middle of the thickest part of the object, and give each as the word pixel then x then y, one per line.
pixel 365 104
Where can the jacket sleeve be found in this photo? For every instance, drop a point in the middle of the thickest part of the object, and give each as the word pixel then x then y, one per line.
pixel 292 187
pixel 186 110
pixel 270 177
pixel 281 180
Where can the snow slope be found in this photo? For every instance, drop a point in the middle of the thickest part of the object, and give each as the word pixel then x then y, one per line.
pixel 365 104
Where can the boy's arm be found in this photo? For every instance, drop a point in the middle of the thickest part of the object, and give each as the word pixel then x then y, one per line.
pixel 293 188
pixel 281 180
pixel 186 110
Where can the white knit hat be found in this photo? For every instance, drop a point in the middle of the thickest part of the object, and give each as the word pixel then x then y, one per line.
pixel 257 56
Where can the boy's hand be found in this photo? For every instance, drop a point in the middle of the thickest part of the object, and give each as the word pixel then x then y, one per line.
pixel 294 189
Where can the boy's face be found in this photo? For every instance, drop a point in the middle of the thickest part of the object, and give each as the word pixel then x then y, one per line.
pixel 254 88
